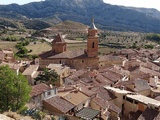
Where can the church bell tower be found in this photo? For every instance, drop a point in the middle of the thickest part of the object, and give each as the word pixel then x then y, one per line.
pixel 92 42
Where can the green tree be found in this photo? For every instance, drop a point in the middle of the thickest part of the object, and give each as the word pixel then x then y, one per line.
pixel 47 76
pixel 14 90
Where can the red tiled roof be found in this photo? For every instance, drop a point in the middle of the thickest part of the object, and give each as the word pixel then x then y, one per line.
pixel 39 89
pixel 127 51
pixel 60 104
pixel 109 58
pixel 107 113
pixel 104 94
pixel 102 103
pixel 76 97
pixel 150 114
pixel 124 83
pixel 70 54
pixel 114 77
pixel 86 91
pixel 149 71
pixel 157 98
pixel 76 74
pixel 135 115
pixel 103 79
pixel 64 55
pixel 86 80
pixel 141 85
pixel 114 108
pixel 65 88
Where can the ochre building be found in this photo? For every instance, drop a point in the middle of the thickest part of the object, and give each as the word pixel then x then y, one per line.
pixel 77 59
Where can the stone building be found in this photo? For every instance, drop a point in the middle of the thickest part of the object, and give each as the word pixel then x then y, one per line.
pixel 77 59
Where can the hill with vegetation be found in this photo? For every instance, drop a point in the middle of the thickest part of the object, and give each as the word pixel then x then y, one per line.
pixel 66 27
pixel 107 16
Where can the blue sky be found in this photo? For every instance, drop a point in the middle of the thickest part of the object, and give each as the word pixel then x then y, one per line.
pixel 134 3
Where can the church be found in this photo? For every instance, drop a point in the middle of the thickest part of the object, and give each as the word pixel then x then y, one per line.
pixel 76 59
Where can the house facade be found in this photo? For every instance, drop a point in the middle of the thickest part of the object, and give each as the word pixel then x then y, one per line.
pixel 40 93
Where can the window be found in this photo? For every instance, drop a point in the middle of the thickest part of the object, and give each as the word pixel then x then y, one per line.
pixel 55 91
pixel 124 97
pixel 130 100
pixel 48 93
pixel 93 45
pixel 83 104
pixel 82 61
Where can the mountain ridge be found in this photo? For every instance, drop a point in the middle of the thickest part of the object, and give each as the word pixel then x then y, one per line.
pixel 106 16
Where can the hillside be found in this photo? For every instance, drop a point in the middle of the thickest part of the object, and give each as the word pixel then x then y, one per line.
pixel 4 23
pixel 66 27
pixel 70 25
pixel 107 16
pixel 26 24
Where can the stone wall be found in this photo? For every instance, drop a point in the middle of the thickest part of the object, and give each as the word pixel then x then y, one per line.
pixel 77 63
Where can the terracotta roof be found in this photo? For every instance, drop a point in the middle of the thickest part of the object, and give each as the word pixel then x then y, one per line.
pixel 114 108
pixel 89 74
pixel 139 74
pixel 124 83
pixel 58 39
pixel 39 89
pixel 157 98
pixel 149 71
pixel 109 58
pixel 87 91
pixel 135 115
pixel 65 55
pixel 150 65
pixel 75 97
pixel 30 69
pixel 102 103
pixel 87 113
pixel 114 77
pixel 65 88
pixel 107 113
pixel 60 104
pixel 13 66
pixel 86 80
pixel 70 54
pixel 103 79
pixel 109 72
pixel 105 94
pixel 127 51
pixel 150 114
pixel 119 70
pixel 76 74
pixel 141 85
